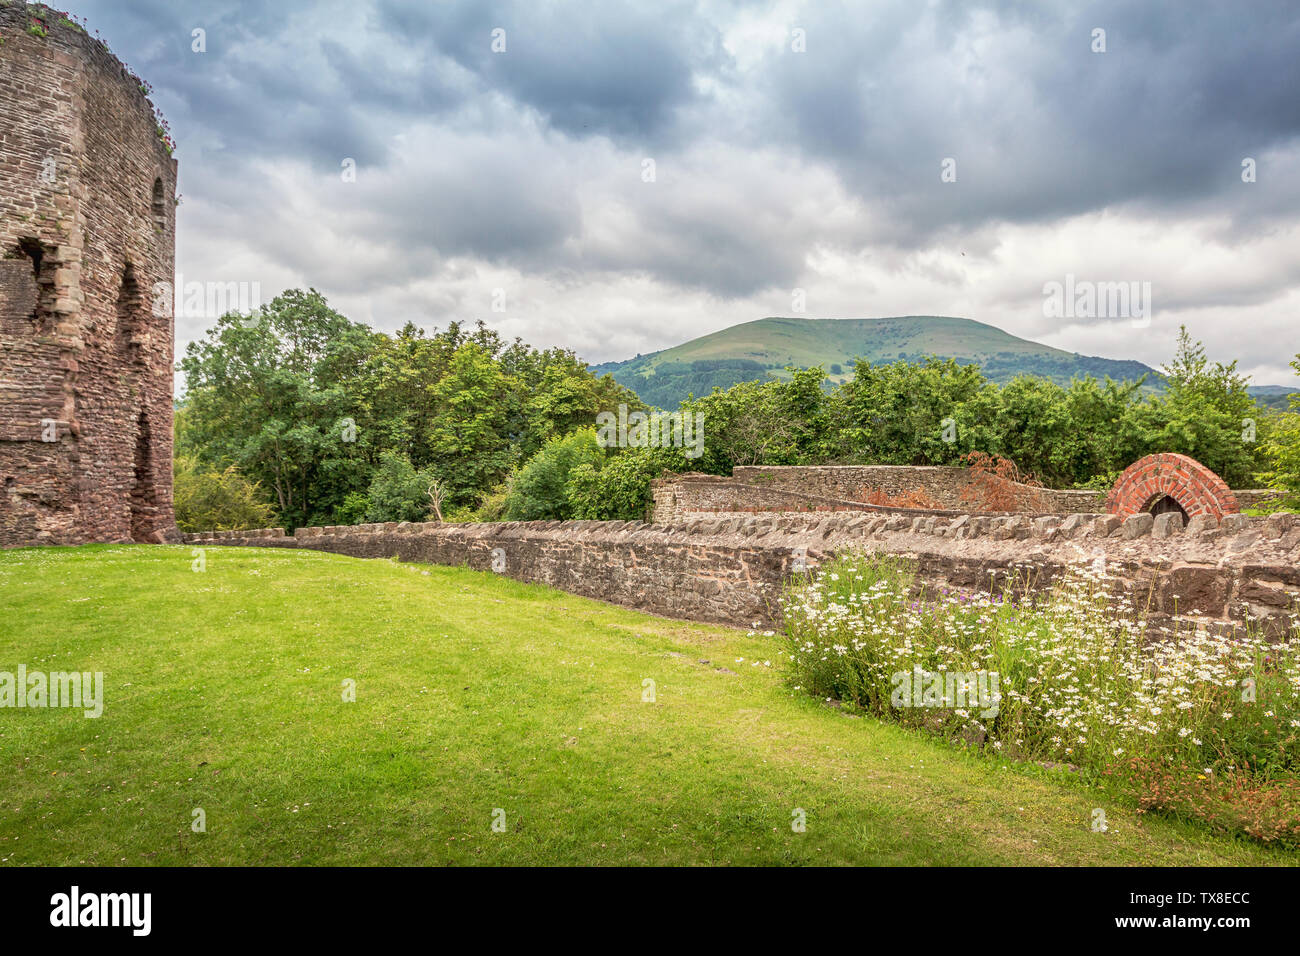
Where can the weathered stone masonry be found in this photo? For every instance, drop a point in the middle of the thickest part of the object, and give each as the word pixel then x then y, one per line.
pixel 801 488
pixel 945 484
pixel 87 227
pixel 731 569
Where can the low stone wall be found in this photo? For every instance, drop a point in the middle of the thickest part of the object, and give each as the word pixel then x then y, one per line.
pixel 856 482
pixel 842 488
pixel 1256 498
pixel 695 496
pixel 794 488
pixel 731 569
pixel 945 484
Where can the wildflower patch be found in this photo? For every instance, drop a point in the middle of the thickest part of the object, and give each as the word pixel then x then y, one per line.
pixel 952 690
pixel 1073 675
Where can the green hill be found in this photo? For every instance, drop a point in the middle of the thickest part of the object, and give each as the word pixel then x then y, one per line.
pixel 1273 396
pixel 761 350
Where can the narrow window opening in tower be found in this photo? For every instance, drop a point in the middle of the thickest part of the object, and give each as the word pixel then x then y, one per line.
pixel 129 306
pixel 158 206
pixel 33 249
pixel 43 266
pixel 144 497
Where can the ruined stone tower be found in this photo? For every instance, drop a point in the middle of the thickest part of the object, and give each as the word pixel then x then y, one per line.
pixel 87 227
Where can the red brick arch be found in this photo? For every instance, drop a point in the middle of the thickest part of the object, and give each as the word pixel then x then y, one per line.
pixel 1197 490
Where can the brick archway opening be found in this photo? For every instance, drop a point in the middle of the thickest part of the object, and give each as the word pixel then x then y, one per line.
pixel 1165 504
pixel 1161 484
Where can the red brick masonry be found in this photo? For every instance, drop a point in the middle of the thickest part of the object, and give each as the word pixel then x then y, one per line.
pixel 1197 489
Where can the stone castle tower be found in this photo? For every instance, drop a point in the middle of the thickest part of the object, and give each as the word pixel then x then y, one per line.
pixel 87 227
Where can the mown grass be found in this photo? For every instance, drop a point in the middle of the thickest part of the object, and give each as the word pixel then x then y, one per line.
pixel 473 692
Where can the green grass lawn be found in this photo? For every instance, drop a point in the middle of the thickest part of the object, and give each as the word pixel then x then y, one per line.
pixel 224 691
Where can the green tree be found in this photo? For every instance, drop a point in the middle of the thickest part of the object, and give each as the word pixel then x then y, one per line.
pixel 308 404
pixel 558 395
pixel 898 414
pixel 469 448
pixel 539 491
pixel 1062 436
pixel 262 394
pixel 1205 412
pixel 772 423
pixel 1282 451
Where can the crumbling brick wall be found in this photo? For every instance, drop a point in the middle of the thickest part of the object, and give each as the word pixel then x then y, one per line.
pixel 87 227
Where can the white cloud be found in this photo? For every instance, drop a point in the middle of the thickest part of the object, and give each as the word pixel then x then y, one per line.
pixel 775 170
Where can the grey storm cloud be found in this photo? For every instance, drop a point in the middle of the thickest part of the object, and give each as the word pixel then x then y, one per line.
pixel 768 158
pixel 612 68
pixel 1039 125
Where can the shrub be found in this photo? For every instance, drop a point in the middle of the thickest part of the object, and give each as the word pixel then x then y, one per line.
pixel 538 492
pixel 461 514
pixel 492 506
pixel 353 509
pixel 620 491
pixel 1266 808
pixel 398 492
pixel 1282 447
pixel 216 500
pixel 997 484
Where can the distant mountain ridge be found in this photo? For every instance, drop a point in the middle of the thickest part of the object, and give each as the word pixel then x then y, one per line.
pixel 760 351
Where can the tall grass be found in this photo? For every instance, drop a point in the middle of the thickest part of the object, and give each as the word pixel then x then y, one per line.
pixel 1082 677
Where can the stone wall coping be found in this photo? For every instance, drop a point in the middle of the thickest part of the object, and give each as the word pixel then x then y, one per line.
pixel 754 470
pixel 758 469
pixel 822 504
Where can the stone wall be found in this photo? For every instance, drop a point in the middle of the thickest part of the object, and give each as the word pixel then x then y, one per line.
pixel 688 496
pixel 1256 498
pixel 796 488
pixel 842 488
pixel 87 220
pixel 857 482
pixel 951 487
pixel 731 569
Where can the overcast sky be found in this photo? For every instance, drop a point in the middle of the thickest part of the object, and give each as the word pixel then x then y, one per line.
pixel 794 146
